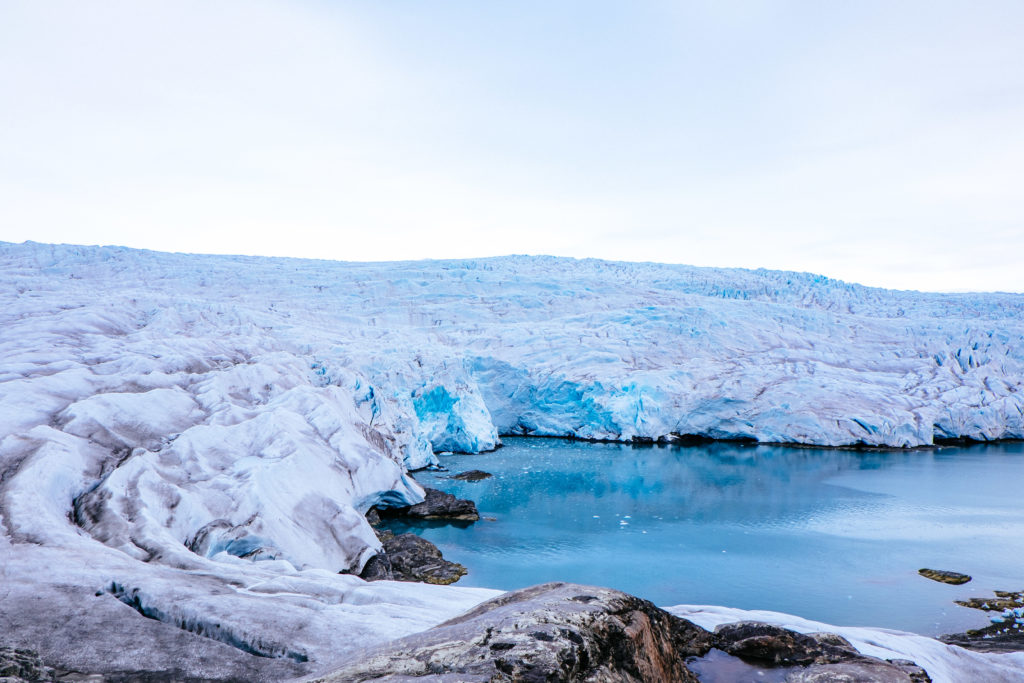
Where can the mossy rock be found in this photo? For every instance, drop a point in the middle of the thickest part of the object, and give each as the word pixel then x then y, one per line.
pixel 942 576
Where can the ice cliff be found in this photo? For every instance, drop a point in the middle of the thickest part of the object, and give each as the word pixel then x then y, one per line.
pixel 198 436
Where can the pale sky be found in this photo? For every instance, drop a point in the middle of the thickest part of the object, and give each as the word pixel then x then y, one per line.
pixel 876 142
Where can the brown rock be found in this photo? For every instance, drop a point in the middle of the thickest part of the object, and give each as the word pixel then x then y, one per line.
pixel 566 632
pixel 551 632
pixel 942 576
pixel 407 557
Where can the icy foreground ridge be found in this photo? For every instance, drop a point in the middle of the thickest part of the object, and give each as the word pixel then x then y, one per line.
pixel 167 420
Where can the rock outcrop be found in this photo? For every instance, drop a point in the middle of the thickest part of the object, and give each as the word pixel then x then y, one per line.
pixel 550 632
pixel 17 665
pixel 781 647
pixel 1004 634
pixel 567 632
pixel 436 505
pixel 407 557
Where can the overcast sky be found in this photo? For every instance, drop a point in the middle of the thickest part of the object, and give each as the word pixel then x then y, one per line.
pixel 876 142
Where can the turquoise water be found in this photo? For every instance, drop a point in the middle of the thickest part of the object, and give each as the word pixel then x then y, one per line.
pixel 830 535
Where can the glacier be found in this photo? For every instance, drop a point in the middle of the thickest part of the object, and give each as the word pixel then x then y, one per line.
pixel 197 438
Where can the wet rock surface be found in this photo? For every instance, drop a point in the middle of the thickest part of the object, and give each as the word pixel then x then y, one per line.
pixel 1004 634
pixel 870 671
pixel 942 576
pixel 568 632
pixel 407 557
pixel 437 505
pixel 472 475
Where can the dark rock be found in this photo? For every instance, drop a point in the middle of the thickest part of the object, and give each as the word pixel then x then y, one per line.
pixel 373 517
pixel 18 665
pixel 472 475
pixel 441 505
pixel 781 647
pixel 378 568
pixel 1006 635
pixel 437 505
pixel 812 658
pixel 944 577
pixel 916 673
pixel 543 634
pixel 1003 600
pixel 995 638
pixel 408 557
pixel 565 632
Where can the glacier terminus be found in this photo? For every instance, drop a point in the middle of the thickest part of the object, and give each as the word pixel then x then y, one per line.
pixel 197 439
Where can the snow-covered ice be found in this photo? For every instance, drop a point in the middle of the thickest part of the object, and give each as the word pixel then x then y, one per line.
pixel 198 437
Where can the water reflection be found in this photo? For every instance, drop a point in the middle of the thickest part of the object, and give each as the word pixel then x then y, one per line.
pixel 828 534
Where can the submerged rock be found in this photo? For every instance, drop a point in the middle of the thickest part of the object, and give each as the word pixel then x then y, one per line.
pixel 866 671
pixel 472 475
pixel 436 505
pixel 407 557
pixel 942 576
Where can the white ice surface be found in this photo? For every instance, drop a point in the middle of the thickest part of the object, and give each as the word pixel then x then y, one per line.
pixel 163 416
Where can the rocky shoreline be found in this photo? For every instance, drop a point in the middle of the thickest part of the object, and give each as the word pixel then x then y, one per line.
pixel 569 632
pixel 1004 634
pixel 748 646
pixel 407 557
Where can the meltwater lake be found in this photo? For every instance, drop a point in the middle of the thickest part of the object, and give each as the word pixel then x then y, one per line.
pixel 832 535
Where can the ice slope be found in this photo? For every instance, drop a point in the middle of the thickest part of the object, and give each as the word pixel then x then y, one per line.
pixel 588 348
pixel 197 437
